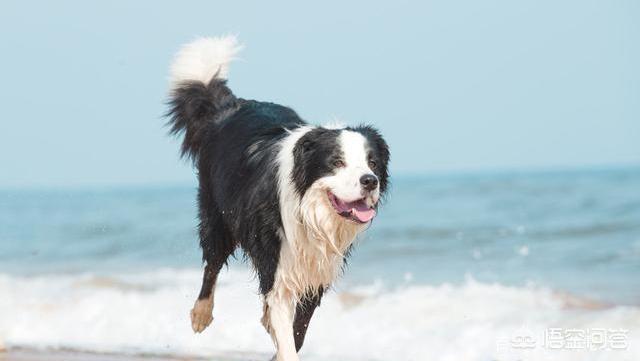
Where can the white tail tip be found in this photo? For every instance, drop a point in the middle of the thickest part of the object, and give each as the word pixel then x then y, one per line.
pixel 204 58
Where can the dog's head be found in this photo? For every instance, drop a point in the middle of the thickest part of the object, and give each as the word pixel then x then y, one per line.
pixel 341 174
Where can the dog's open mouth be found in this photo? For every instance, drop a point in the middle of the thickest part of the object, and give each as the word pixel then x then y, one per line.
pixel 357 211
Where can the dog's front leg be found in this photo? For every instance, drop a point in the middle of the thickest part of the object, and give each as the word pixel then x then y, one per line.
pixel 278 319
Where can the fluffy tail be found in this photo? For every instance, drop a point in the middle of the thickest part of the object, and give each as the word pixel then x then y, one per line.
pixel 199 93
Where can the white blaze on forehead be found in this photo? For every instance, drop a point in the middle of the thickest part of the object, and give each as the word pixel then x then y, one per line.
pixel 354 149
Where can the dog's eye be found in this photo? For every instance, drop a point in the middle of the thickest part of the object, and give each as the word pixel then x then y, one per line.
pixel 372 164
pixel 338 163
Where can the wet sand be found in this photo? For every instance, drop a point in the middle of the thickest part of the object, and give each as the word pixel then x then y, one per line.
pixel 68 355
pixel 72 355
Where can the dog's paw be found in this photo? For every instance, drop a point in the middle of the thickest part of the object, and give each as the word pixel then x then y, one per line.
pixel 201 316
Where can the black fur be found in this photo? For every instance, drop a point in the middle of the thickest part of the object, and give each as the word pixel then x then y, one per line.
pixel 314 155
pixel 304 312
pixel 193 105
pixel 234 144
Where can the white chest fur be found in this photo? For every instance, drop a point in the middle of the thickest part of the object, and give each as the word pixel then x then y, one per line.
pixel 314 242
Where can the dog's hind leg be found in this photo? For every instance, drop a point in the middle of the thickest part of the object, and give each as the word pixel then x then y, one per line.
pixel 202 312
pixel 304 312
pixel 217 246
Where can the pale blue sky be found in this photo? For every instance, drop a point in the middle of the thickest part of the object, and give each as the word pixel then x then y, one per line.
pixel 453 85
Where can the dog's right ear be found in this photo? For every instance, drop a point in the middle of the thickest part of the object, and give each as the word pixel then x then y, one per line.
pixel 310 157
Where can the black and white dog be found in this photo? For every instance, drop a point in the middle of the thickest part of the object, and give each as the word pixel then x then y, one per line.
pixel 293 196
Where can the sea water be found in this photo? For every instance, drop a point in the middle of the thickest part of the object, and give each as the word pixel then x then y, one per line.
pixel 460 267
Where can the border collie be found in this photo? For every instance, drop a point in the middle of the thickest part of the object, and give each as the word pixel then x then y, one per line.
pixel 293 196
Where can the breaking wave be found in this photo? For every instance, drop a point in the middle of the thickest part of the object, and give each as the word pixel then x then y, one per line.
pixel 148 312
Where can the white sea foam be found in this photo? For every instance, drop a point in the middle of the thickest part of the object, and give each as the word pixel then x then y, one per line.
pixel 149 313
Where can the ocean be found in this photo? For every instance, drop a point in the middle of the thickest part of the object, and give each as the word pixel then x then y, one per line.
pixel 478 267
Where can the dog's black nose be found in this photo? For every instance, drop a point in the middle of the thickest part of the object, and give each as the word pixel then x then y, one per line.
pixel 369 182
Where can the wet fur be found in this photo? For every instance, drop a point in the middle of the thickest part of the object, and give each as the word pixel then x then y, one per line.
pixel 261 170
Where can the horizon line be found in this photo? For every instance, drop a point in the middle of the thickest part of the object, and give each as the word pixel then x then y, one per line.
pixel 452 173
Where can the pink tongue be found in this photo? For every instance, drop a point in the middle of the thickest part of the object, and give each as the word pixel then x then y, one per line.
pixel 361 211
pixel 364 216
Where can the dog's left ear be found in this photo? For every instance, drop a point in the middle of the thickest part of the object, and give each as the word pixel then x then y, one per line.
pixel 382 170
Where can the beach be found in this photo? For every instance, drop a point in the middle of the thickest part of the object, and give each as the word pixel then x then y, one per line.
pixel 69 355
pixel 480 268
